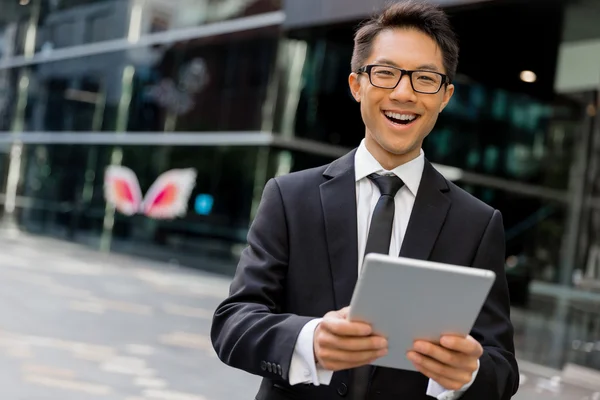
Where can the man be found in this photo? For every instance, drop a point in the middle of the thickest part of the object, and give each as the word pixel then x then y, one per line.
pixel 313 228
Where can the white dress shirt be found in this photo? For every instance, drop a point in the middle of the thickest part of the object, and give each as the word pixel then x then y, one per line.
pixel 303 368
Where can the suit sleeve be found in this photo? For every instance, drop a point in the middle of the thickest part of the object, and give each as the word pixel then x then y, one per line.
pixel 249 329
pixel 498 376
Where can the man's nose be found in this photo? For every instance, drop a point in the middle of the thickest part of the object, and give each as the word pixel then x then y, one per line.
pixel 404 92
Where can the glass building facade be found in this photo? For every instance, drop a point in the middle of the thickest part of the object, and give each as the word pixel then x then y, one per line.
pixel 152 85
pixel 231 89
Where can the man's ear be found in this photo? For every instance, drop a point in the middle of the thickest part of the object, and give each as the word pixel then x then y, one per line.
pixel 448 92
pixel 354 83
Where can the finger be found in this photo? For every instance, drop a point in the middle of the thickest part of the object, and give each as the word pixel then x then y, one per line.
pixel 441 370
pixel 342 327
pixel 466 345
pixel 350 343
pixel 350 357
pixel 338 366
pixel 446 356
pixel 448 384
pixel 344 312
pixel 341 362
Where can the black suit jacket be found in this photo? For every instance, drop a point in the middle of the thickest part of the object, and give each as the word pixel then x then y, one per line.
pixel 302 262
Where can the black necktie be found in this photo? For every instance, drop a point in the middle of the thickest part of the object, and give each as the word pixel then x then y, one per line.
pixel 378 241
pixel 380 231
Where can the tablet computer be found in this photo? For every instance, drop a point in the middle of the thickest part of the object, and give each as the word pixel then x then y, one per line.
pixel 406 299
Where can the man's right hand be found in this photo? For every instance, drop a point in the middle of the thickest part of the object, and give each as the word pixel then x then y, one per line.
pixel 341 344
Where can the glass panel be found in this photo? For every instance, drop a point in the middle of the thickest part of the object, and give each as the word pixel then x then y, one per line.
pixel 210 84
pixel 578 75
pixel 4 162
pixel 554 332
pixel 286 161
pixel 315 101
pixel 562 324
pixel 62 194
pixel 41 26
pixel 534 230
pixel 514 136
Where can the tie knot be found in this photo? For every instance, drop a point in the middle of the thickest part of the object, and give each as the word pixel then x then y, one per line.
pixel 388 184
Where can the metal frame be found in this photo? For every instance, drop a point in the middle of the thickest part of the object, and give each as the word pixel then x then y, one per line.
pixel 250 138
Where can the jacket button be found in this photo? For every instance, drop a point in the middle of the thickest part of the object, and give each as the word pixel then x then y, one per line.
pixel 342 389
pixel 263 365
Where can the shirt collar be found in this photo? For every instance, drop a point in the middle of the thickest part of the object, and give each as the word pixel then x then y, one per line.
pixel 410 173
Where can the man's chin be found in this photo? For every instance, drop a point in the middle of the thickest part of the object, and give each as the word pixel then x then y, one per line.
pixel 403 150
pixel 395 148
pixel 397 151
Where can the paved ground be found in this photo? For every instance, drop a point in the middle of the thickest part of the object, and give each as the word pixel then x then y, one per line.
pixel 78 325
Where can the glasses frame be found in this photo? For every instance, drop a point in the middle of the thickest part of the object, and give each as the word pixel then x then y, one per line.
pixel 367 69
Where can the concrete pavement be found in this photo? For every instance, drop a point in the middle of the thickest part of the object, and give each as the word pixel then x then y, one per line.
pixel 77 324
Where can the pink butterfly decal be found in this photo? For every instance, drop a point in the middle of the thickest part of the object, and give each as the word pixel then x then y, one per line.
pixel 167 197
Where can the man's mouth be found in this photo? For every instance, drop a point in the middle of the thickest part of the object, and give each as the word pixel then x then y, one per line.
pixel 400 118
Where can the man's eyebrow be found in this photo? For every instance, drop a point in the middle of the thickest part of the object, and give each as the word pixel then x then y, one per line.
pixel 385 61
pixel 427 67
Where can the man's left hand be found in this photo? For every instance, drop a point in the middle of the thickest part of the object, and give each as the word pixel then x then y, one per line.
pixel 451 364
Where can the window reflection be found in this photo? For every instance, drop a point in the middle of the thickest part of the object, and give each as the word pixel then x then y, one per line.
pixel 62 194
pixel 65 23
pixel 211 84
pixel 495 132
pixel 534 230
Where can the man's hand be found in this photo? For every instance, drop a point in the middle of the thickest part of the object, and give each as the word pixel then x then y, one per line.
pixel 341 344
pixel 452 364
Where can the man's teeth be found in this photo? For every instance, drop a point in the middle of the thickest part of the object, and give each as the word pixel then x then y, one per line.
pixel 402 117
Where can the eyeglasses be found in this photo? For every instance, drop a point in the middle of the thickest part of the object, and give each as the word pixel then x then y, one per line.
pixel 386 77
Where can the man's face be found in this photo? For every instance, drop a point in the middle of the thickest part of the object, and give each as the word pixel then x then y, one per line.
pixel 393 143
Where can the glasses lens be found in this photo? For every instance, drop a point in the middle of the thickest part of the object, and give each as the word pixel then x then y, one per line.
pixel 384 77
pixel 426 82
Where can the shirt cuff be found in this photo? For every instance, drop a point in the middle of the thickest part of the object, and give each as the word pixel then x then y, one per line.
pixel 303 368
pixel 436 390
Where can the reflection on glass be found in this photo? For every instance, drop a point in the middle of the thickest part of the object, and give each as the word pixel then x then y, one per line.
pixel 43 26
pixel 135 22
pixel 209 84
pixel 109 210
pixel 14 175
pixel 534 232
pixel 554 337
pixel 61 193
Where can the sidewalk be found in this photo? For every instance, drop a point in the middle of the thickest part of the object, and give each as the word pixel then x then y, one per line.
pixel 78 324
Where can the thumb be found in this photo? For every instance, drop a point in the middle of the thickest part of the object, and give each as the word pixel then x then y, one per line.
pixel 344 312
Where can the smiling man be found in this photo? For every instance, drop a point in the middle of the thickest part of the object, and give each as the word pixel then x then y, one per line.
pixel 286 316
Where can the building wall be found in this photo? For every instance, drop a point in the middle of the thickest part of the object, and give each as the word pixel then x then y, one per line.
pixel 144 85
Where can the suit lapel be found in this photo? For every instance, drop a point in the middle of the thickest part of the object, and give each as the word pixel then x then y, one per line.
pixel 338 198
pixel 428 215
